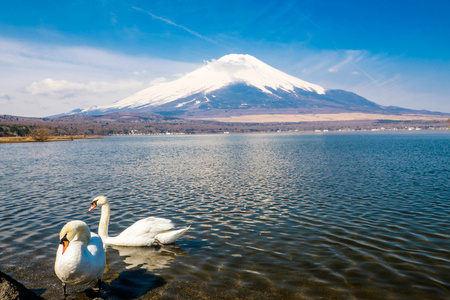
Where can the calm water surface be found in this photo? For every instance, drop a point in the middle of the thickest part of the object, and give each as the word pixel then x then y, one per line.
pixel 338 216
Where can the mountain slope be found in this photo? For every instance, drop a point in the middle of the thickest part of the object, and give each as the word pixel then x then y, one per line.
pixel 238 85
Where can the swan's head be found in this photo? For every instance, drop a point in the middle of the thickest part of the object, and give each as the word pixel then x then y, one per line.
pixel 98 201
pixel 74 231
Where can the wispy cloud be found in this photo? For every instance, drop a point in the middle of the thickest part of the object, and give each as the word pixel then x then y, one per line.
pixel 352 56
pixel 194 33
pixel 358 71
pixel 36 77
pixel 349 58
pixel 5 96
pixel 351 62
pixel 64 88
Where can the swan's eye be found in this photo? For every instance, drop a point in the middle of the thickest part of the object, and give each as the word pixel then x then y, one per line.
pixel 93 205
pixel 64 239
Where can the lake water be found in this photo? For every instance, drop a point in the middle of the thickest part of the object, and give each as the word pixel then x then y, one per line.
pixel 279 216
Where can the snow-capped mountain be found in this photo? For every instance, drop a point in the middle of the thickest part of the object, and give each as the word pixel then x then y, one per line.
pixel 237 84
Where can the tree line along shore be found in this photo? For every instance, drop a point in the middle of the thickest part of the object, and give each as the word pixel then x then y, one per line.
pixel 52 138
pixel 67 128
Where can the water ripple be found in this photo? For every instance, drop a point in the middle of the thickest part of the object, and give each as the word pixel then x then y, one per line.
pixel 272 216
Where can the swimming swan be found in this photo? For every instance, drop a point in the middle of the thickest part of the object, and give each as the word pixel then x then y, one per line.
pixel 80 257
pixel 150 231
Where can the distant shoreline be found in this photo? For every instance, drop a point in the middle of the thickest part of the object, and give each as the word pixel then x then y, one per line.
pixel 295 118
pixel 29 139
pixel 149 124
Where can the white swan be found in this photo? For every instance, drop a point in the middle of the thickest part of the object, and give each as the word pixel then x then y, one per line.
pixel 150 231
pixel 80 257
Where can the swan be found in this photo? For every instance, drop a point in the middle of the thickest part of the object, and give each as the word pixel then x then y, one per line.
pixel 80 257
pixel 150 231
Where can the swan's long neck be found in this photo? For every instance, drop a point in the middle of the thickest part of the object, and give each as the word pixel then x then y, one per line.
pixel 104 222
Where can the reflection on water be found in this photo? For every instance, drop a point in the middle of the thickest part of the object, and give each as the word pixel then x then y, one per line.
pixel 148 258
pixel 132 271
pixel 363 216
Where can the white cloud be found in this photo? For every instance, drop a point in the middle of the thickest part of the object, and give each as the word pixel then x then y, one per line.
pixel 36 78
pixel 66 88
pixel 140 72
pixel 158 80
pixel 170 22
pixel 4 99
pixel 349 60
pixel 5 96
pixel 386 80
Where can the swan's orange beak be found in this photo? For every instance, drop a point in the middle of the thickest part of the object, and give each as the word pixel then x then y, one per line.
pixel 93 205
pixel 65 242
pixel 65 245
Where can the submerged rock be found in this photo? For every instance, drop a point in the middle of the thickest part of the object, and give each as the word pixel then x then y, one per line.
pixel 12 289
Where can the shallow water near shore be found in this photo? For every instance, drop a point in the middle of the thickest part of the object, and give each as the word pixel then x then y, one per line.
pixel 276 216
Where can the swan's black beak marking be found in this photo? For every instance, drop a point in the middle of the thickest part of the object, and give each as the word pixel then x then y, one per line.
pixel 65 242
pixel 93 205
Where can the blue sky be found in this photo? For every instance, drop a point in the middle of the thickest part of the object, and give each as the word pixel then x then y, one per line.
pixel 56 56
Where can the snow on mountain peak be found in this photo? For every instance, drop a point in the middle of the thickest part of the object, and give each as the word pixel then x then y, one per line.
pixel 229 69
pixel 252 71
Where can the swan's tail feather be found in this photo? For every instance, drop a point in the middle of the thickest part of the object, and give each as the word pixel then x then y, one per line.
pixel 171 236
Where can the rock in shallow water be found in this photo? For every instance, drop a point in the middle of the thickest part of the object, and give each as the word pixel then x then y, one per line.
pixel 12 289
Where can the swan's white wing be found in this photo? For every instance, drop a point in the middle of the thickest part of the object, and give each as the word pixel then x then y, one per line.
pixel 95 246
pixel 95 259
pixel 141 233
pixel 171 236
pixel 150 226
